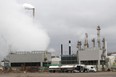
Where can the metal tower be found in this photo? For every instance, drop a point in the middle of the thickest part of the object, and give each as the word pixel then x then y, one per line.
pixel 98 36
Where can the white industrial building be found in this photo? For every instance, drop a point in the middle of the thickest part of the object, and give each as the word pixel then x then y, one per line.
pixel 34 58
pixel 111 61
pixel 91 56
pixel 95 55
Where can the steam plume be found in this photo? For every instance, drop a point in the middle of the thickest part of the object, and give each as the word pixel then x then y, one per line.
pixel 26 5
pixel 17 30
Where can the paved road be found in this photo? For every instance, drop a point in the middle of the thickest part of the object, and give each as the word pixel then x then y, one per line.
pixel 98 74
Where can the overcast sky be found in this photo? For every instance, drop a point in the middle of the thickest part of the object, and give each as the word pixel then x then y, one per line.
pixel 70 19
pixel 66 20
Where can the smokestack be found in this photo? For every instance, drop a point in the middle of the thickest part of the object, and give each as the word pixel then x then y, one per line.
pixel 69 47
pixel 29 7
pixel 98 36
pixel 61 49
pixel 33 12
pixel 93 40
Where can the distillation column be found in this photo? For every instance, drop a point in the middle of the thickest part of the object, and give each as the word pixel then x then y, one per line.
pixel 93 40
pixel 98 36
pixel 86 45
pixel 79 48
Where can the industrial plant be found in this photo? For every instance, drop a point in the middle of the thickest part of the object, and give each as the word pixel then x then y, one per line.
pixel 96 55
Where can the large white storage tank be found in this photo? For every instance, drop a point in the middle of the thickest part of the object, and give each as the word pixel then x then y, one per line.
pixel 56 61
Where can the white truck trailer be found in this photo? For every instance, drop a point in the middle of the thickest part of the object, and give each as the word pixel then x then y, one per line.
pixel 72 68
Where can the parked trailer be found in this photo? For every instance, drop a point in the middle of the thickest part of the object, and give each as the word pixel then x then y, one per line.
pixel 71 68
pixel 113 68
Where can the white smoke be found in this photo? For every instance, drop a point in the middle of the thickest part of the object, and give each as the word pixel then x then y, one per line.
pixel 17 30
pixel 27 6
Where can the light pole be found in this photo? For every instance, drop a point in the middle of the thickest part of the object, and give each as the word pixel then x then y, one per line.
pixel 29 7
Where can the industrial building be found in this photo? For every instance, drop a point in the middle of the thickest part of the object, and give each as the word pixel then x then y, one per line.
pixel 111 60
pixel 34 58
pixel 68 59
pixel 95 55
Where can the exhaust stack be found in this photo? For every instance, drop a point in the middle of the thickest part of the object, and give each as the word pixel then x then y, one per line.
pixel 61 49
pixel 69 47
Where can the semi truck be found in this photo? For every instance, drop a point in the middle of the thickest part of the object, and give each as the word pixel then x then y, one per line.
pixel 72 68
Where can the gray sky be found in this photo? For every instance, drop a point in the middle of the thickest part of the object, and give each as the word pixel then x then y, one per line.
pixel 66 20
pixel 70 19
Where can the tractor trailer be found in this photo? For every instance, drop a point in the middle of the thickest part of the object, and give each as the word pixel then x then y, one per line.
pixel 72 68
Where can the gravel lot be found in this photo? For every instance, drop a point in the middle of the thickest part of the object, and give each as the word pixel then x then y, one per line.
pixel 98 74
